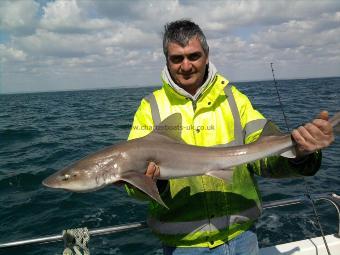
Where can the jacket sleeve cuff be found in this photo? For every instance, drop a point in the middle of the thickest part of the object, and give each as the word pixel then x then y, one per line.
pixel 308 165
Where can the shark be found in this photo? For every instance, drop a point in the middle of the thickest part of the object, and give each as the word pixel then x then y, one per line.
pixel 127 161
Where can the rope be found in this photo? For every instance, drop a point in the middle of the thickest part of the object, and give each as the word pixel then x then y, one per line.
pixel 317 217
pixel 76 241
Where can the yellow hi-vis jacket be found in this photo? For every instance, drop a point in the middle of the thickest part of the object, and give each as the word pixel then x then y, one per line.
pixel 205 211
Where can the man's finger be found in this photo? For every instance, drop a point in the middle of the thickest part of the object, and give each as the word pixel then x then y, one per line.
pixel 150 171
pixel 323 115
pixel 324 126
pixel 157 172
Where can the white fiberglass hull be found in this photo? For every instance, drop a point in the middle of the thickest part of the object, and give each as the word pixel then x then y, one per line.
pixel 305 247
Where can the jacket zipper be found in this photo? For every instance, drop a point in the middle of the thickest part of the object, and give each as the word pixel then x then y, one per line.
pixel 194 104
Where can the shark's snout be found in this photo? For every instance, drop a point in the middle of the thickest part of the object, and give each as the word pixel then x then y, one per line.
pixel 72 180
pixel 45 182
pixel 51 181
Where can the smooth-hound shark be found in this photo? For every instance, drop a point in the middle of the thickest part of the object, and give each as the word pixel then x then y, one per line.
pixel 128 160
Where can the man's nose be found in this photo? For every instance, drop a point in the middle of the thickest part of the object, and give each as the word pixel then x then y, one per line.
pixel 186 65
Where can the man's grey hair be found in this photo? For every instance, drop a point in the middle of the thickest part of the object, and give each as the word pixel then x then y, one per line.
pixel 181 31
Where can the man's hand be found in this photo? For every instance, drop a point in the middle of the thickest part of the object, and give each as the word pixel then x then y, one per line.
pixel 313 136
pixel 153 171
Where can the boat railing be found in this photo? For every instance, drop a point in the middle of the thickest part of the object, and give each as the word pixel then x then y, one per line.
pixel 333 198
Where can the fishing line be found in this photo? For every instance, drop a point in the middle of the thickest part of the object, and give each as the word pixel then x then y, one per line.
pixel 279 97
pixel 317 217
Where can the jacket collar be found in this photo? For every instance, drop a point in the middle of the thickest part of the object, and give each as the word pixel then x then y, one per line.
pixel 166 78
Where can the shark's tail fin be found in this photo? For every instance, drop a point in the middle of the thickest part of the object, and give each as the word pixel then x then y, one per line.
pixel 335 121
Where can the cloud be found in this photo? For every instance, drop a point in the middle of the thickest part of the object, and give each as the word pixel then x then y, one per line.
pixel 65 16
pixel 18 17
pixel 313 39
pixel 45 43
pixel 84 43
pixel 11 54
pixel 119 37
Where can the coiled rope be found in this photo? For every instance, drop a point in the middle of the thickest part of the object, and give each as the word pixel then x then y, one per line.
pixel 76 241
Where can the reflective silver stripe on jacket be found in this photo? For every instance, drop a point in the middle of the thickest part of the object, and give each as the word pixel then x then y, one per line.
pixel 253 126
pixel 238 133
pixel 217 223
pixel 156 117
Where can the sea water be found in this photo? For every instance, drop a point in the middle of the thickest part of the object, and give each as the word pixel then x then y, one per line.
pixel 41 133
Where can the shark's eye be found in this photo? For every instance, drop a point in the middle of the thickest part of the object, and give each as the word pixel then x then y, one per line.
pixel 66 177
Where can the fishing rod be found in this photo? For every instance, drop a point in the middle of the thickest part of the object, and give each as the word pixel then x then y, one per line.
pixel 317 217
pixel 333 198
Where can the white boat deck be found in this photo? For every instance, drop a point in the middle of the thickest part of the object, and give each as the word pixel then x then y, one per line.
pixel 305 247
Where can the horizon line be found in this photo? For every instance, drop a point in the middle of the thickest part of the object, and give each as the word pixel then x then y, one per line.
pixel 151 86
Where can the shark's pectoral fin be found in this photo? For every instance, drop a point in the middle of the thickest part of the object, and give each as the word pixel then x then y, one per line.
pixel 143 183
pixel 225 175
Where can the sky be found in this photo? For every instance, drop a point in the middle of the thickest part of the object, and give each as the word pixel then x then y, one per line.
pixel 82 44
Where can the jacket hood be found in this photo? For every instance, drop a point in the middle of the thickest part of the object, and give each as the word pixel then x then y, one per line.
pixel 166 77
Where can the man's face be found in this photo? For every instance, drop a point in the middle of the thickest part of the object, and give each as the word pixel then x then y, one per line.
pixel 187 64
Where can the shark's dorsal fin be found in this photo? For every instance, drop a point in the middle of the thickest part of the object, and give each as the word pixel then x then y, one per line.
pixel 270 129
pixel 169 129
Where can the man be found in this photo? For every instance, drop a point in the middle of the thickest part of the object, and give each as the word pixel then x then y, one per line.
pixel 207 215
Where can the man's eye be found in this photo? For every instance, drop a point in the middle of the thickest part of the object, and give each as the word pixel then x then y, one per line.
pixel 194 56
pixel 176 59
